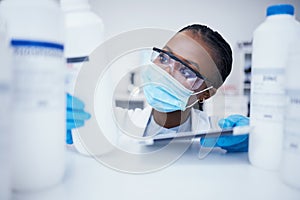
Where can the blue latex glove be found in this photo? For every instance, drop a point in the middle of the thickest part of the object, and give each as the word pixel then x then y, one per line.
pixel 75 116
pixel 230 143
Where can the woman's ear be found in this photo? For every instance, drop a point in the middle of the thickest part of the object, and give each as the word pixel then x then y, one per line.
pixel 207 94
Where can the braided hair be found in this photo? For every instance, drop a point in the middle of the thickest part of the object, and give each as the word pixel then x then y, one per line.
pixel 220 50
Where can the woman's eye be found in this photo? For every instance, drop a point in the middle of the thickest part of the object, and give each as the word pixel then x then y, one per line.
pixel 163 58
pixel 187 73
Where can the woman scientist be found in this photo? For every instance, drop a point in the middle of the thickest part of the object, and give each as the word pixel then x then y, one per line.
pixel 192 65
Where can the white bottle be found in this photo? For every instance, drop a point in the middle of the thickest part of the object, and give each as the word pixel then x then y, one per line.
pixel 35 28
pixel 5 112
pixel 271 43
pixel 83 34
pixel 290 163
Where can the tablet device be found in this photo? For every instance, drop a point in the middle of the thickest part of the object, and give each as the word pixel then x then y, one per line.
pixel 240 130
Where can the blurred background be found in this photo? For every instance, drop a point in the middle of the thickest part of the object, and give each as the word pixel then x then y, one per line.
pixel 235 20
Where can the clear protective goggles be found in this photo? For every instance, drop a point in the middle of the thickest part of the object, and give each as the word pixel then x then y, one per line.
pixel 179 69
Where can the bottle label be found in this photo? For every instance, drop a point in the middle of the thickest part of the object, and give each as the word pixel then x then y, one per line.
pixel 292 119
pixel 267 94
pixel 74 65
pixel 38 74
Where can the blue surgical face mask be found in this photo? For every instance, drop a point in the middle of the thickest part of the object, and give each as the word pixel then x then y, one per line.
pixel 163 92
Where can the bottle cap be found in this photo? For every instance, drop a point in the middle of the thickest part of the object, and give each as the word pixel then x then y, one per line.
pixel 280 9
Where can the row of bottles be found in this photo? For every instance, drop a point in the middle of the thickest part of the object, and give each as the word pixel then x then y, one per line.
pixel 274 142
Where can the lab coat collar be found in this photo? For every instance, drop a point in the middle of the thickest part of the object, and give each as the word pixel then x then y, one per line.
pixel 200 120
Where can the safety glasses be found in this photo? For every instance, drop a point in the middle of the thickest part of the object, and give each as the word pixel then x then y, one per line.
pixel 179 69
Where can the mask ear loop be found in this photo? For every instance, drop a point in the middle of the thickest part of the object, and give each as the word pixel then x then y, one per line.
pixel 203 90
pixel 199 93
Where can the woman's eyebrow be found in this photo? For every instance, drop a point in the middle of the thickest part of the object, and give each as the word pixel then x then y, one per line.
pixel 188 61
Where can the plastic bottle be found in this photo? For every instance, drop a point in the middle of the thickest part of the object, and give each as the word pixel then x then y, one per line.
pixel 35 30
pixel 271 43
pixel 290 163
pixel 5 112
pixel 83 34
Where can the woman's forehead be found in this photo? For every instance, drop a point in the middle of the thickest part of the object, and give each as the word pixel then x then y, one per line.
pixel 184 45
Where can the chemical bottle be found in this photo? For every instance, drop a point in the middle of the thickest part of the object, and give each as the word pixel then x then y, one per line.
pixel 271 43
pixel 290 163
pixel 35 31
pixel 5 112
pixel 83 34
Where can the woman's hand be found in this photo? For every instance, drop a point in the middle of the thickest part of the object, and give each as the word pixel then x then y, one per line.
pixel 75 116
pixel 230 143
